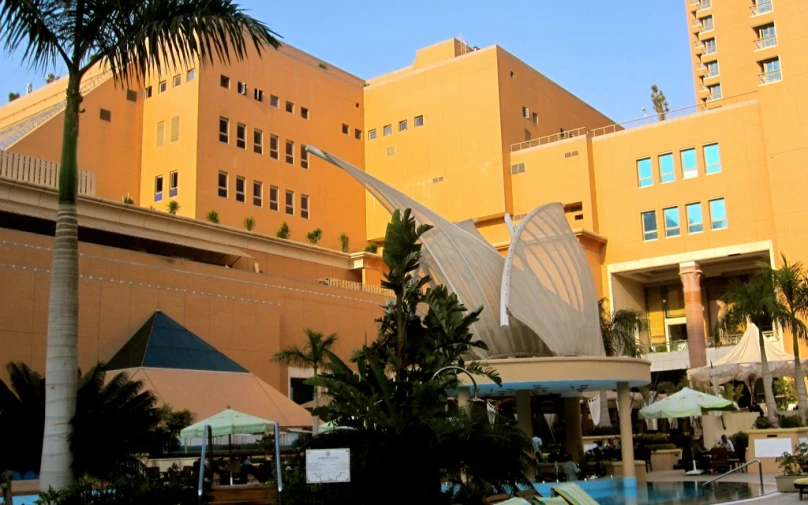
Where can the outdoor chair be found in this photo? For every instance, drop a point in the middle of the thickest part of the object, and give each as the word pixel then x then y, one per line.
pixel 801 485
pixel 719 460
pixel 573 494
pixel 497 498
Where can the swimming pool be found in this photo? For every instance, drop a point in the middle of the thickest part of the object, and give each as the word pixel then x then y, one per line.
pixel 680 493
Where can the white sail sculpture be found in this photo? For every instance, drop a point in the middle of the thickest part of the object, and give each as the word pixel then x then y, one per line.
pixel 544 285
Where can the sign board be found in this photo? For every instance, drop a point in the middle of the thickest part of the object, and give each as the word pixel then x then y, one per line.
pixel 772 447
pixel 328 465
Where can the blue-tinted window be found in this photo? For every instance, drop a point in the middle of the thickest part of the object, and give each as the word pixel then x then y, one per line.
pixel 649 227
pixel 695 219
pixel 672 228
pixel 690 167
pixel 712 159
pixel 718 214
pixel 644 172
pixel 667 172
pixel 158 188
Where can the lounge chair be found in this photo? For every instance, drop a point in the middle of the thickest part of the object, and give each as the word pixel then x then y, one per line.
pixel 573 494
pixel 801 485
pixel 504 499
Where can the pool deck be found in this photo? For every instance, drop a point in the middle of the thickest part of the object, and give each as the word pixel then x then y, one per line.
pixel 772 497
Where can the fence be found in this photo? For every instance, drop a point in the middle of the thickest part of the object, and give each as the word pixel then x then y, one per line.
pixel 356 286
pixel 39 172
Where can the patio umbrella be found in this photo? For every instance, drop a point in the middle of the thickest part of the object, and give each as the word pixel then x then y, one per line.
pixel 686 403
pixel 228 422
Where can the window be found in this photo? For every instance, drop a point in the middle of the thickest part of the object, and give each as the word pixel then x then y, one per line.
pixel 223 184
pixel 667 172
pixel 163 86
pixel 710 46
pixel 714 92
pixel 672 228
pixel 357 133
pixel 518 168
pixel 241 136
pixel 649 228
pixel 258 141
pixel 712 159
pixel 175 128
pixel 525 113
pixel 304 157
pixel 372 135
pixel 535 118
pixel 345 129
pixel 160 133
pixel 290 202
pixel 242 88
pixel 689 167
pixel 190 76
pixel 273 198
pixel 707 23
pixel 718 214
pixel 177 80
pixel 402 125
pixel 290 107
pixel 527 135
pixel 712 69
pixel 388 129
pixel 224 130
pixel 105 115
pixel 304 113
pixel 240 183
pixel 290 152
pixel 224 82
pixel 147 92
pixel 304 206
pixel 761 7
pixel 258 193
pixel 273 147
pixel 771 71
pixel 173 183
pixel 273 101
pixel 131 95
pixel 158 188
pixel 258 94
pixel 419 121
pixel 695 220
pixel 767 36
pixel 645 173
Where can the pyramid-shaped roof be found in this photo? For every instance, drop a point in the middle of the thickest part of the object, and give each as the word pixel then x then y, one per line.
pixel 164 343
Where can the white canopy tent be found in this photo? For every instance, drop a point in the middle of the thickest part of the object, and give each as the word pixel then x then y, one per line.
pixel 744 361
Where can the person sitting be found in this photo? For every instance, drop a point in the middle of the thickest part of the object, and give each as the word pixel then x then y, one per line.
pixel 726 443
pixel 571 469
pixel 251 480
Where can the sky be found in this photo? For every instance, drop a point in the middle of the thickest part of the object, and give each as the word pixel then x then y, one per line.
pixel 608 54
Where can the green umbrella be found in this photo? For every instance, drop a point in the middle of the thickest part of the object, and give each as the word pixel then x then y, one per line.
pixel 228 422
pixel 686 403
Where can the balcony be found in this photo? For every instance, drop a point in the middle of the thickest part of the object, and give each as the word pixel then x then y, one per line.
pixel 705 4
pixel 701 69
pixel 696 26
pixel 765 42
pixel 699 47
pixel 770 77
pixel 694 4
pixel 356 286
pixel 760 8
pixel 715 94
pixel 711 73
pixel 710 49
pixel 39 172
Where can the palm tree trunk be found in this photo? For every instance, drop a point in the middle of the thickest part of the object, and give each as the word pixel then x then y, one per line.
pixel 799 381
pixel 605 420
pixel 61 368
pixel 771 406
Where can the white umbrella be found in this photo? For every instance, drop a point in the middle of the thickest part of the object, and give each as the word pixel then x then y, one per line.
pixel 686 403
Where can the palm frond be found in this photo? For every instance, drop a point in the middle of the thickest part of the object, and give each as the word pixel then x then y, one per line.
pixel 37 28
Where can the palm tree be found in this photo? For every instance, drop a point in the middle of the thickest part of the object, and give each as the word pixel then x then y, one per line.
pixel 344 242
pixel 660 102
pixel 283 231
pixel 249 223
pixel 312 355
pixel 133 39
pixel 213 217
pixel 619 331
pixel 314 236
pixel 791 283
pixel 173 207
pixel 755 301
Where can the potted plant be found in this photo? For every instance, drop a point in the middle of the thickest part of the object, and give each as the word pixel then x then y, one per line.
pixel 792 464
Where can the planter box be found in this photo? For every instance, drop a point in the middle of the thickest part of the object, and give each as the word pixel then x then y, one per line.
pixel 615 468
pixel 665 459
pixel 785 483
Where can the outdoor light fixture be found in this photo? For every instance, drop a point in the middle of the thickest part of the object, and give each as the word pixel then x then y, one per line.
pixel 461 369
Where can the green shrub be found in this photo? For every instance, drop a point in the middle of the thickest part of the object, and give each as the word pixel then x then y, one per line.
pixel 249 223
pixel 372 247
pixel 790 421
pixel 128 489
pixel 762 423
pixel 344 242
pixel 127 200
pixel 213 217
pixel 314 235
pixel 173 206
pixel 660 447
pixel 283 231
pixel 602 430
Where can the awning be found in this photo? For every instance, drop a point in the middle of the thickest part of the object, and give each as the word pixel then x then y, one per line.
pixel 124 229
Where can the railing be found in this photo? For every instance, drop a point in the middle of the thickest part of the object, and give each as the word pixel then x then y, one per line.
pixel 695 2
pixel 773 76
pixel 710 49
pixel 698 45
pixel 760 472
pixel 707 27
pixel 705 4
pixel 764 42
pixel 356 286
pixel 19 167
pixel 549 139
pixel 760 8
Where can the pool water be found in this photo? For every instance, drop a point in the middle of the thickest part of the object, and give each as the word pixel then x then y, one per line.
pixel 680 493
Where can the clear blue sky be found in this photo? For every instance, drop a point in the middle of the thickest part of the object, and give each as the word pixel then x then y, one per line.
pixel 607 54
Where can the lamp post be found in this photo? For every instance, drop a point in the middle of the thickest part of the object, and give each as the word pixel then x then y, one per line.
pixel 461 369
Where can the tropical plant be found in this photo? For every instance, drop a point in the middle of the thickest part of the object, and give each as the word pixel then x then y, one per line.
pixel 283 231
pixel 784 393
pixel 165 435
pixel 755 300
pixel 314 235
pixel 344 242
pixel 393 396
pixel 213 217
pixel 311 355
pixel 13 96
pixel 322 65
pixel 792 463
pixel 126 488
pixel 659 102
pixel 372 247
pixel 619 330
pixel 732 392
pixel 249 223
pixel 131 39
pixel 128 200
pixel 791 284
pixel 172 207
pixel 50 77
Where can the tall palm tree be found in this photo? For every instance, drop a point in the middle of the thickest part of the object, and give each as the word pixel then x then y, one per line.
pixel 133 39
pixel 314 355
pixel 791 283
pixel 619 331
pixel 660 102
pixel 755 301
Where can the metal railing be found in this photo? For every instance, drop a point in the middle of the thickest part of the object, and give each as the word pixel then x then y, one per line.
pixel 698 45
pixel 710 49
pixel 707 27
pixel 715 94
pixel 549 139
pixel 773 76
pixel 764 42
pixel 705 4
pixel 356 286
pixel 737 469
pixel 760 8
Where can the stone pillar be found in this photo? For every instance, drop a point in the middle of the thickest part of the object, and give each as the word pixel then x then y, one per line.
pixel 524 417
pixel 573 427
pixel 626 437
pixel 463 398
pixel 694 313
